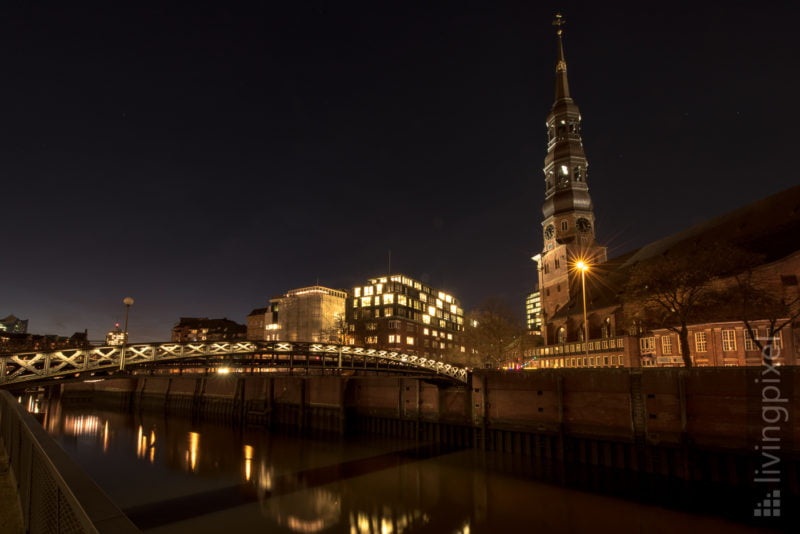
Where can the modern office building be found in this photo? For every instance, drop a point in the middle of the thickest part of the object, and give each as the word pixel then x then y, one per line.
pixel 398 313
pixel 533 312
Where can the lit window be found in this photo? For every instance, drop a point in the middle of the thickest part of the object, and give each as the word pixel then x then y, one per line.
pixel 453 308
pixel 431 310
pixel 388 298
pixel 441 295
pixel 777 340
pixel 423 297
pixel 749 342
pixel 463 348
pixel 450 337
pixel 564 170
pixel 371 340
pixel 379 289
pixel 700 342
pixel 368 290
pixel 647 345
pixel 409 340
pixel 426 319
pixel 366 301
pixel 666 345
pixel 402 300
pixel 357 292
pixel 728 340
pixel 425 331
pixel 439 303
pixel 393 338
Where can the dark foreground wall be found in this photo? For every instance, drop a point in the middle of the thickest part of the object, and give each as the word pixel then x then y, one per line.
pixel 710 423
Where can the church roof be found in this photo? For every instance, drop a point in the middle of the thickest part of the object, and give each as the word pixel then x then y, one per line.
pixel 769 227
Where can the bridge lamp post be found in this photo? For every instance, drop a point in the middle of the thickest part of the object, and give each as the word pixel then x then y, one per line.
pixel 582 266
pixel 128 302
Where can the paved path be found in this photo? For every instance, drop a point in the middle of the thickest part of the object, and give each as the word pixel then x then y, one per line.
pixel 10 510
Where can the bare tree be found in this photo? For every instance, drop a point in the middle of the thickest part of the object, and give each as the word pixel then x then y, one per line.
pixel 680 288
pixel 762 295
pixel 337 331
pixel 492 331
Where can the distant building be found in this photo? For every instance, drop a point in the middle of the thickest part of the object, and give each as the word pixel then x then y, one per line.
pixel 398 313
pixel 312 313
pixel 205 329
pixel 115 337
pixel 533 312
pixel 14 325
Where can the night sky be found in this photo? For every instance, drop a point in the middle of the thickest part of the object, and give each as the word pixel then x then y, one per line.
pixel 202 159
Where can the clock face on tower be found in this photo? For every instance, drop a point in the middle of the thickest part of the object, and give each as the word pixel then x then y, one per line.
pixel 549 231
pixel 583 224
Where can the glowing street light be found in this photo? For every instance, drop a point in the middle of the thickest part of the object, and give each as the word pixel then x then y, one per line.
pixel 128 302
pixel 582 266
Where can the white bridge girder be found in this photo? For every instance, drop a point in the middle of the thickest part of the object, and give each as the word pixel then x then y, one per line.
pixel 28 366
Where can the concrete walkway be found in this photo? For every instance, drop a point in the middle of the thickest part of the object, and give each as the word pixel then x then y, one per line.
pixel 10 509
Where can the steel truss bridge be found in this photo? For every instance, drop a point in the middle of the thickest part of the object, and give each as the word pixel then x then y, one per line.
pixel 277 355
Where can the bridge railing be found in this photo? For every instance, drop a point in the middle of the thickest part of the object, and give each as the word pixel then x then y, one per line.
pixel 55 494
pixel 36 365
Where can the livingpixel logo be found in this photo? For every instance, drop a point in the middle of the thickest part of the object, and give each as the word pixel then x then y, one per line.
pixel 774 413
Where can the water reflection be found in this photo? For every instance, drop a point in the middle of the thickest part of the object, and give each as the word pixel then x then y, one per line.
pixel 248 461
pixel 252 481
pixel 194 450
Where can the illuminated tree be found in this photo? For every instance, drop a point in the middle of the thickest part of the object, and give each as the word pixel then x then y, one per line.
pixel 492 332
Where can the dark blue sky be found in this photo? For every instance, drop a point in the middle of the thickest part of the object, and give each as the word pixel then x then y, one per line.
pixel 201 159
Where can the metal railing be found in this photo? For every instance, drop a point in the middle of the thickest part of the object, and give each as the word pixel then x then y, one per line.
pixel 56 495
pixel 27 366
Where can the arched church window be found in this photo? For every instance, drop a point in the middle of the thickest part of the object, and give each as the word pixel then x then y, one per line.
pixel 562 335
pixel 578 174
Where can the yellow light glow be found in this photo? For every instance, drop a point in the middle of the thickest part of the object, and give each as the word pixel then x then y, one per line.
pixel 105 437
pixel 223 371
pixel 248 461
pixel 581 265
pixel 194 449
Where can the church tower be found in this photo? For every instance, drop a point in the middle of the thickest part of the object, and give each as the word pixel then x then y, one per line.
pixel 568 227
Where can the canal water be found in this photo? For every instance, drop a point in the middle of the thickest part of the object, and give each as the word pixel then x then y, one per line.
pixel 178 476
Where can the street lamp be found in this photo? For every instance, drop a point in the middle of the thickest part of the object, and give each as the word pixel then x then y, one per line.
pixel 128 302
pixel 582 266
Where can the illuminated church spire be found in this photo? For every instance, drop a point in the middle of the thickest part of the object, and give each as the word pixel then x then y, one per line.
pixel 567 209
pixel 562 83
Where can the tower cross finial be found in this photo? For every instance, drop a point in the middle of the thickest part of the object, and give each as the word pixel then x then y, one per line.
pixel 558 22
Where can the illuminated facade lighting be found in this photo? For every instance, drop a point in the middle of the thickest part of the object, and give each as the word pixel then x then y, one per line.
pixel 394 312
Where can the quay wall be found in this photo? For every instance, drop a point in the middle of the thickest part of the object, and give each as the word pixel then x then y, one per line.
pixel 688 423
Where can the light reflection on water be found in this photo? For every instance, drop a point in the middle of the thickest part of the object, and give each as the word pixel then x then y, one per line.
pixel 214 478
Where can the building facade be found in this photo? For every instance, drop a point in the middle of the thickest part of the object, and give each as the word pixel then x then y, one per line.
pixel 204 329
pixel 399 313
pixel 314 313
